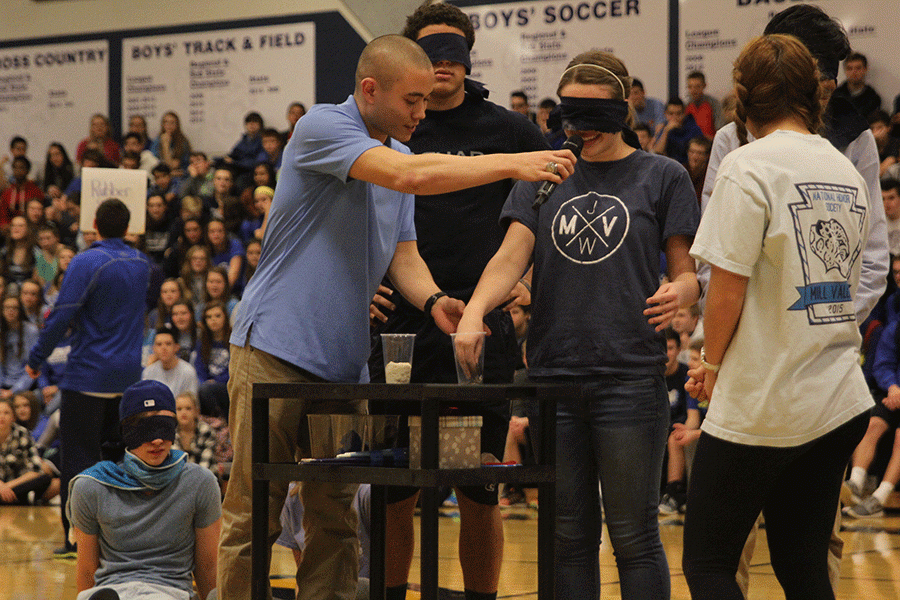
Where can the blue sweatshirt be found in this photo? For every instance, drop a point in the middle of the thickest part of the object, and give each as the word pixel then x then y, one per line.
pixel 246 150
pixel 102 299
pixel 217 367
pixel 886 368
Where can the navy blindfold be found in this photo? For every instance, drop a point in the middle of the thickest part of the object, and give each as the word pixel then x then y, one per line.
pixel 147 429
pixel 447 46
pixel 589 114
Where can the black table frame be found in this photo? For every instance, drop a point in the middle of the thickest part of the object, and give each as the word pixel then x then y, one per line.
pixel 429 477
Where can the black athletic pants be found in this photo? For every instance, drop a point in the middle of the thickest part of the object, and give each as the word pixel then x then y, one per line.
pixel 797 490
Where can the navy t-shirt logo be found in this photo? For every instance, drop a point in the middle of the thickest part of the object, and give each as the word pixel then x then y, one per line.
pixel 590 228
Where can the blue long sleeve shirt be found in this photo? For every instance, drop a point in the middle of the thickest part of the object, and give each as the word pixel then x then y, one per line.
pixel 886 369
pixel 102 298
pixel 246 150
pixel 217 367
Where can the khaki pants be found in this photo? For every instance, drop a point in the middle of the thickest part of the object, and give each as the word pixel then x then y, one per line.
pixel 331 558
pixel 835 552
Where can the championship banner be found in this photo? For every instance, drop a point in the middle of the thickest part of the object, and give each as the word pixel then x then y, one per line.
pixel 48 94
pixel 127 185
pixel 712 35
pixel 213 79
pixel 527 45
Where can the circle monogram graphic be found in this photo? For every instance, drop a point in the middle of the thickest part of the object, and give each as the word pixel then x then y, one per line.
pixel 590 228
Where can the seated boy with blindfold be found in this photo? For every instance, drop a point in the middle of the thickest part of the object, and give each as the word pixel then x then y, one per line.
pixel 145 525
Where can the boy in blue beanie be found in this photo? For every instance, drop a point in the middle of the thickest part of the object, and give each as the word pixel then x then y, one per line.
pixel 146 525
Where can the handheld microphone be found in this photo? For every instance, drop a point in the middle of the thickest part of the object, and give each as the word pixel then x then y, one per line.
pixel 573 143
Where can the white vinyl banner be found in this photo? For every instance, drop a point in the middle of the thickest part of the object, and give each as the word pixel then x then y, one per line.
pixel 48 94
pixel 527 45
pixel 712 34
pixel 129 186
pixel 213 79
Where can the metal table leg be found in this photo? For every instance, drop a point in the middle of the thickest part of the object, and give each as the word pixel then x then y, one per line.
pixel 377 542
pixel 259 453
pixel 429 499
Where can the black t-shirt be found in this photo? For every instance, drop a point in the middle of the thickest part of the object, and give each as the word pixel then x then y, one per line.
pixel 156 238
pixel 892 148
pixel 457 233
pixel 597 259
pixel 677 394
pixel 866 102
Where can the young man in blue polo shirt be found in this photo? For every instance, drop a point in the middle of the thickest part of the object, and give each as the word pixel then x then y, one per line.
pixel 102 300
pixel 341 218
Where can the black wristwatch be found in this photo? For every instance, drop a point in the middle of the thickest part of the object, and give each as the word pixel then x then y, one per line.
pixel 429 304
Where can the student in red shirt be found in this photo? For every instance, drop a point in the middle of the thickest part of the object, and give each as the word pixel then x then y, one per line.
pixel 706 110
pixel 15 198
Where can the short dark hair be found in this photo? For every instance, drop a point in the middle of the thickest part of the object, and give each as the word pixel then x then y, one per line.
pixel 166 330
pixel 857 56
pixel 547 103
pixel 879 116
pixel 890 183
pixel 823 36
pixel 675 101
pixel 161 168
pixel 94 155
pixel 22 159
pixel 254 117
pixel 701 140
pixel 132 156
pixel 697 75
pixel 635 82
pixel 673 335
pixel 132 135
pixel 17 140
pixel 519 94
pixel 269 132
pixel 642 127
pixel 200 154
pixel 112 218
pixel 49 226
pixel 439 13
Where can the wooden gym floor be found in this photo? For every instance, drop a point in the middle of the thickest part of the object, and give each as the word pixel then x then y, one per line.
pixel 870 569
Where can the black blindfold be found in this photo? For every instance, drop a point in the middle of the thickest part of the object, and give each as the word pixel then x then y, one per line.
pixel 447 46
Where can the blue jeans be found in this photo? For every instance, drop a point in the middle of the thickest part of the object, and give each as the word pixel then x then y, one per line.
pixel 615 433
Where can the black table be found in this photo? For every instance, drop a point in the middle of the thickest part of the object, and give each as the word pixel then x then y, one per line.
pixel 429 477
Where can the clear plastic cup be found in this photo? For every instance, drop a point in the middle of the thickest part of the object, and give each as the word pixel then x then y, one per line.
pixel 468 350
pixel 397 349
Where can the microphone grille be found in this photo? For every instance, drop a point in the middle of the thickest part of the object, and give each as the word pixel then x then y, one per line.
pixel 574 143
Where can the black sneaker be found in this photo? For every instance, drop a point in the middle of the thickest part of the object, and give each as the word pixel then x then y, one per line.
pixel 104 594
pixel 68 551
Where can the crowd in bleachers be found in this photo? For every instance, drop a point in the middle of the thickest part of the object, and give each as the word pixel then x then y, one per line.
pixel 204 227
pixel 205 217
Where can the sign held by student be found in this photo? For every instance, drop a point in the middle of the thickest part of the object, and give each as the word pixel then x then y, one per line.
pixel 129 186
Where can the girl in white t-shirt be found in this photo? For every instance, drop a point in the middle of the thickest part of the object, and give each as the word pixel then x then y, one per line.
pixel 783 233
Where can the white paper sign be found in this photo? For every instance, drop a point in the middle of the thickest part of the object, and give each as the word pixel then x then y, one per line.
pixel 714 33
pixel 213 79
pixel 48 94
pixel 527 45
pixel 128 185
